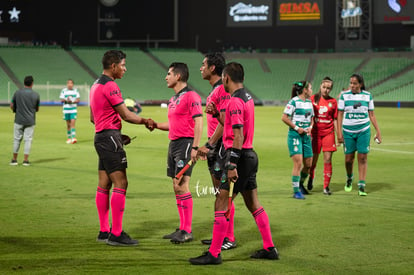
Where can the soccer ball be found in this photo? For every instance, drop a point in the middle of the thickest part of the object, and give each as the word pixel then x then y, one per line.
pixel 69 99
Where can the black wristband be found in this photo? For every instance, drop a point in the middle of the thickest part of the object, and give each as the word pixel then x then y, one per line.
pixel 208 146
pixel 216 114
pixel 195 148
pixel 235 155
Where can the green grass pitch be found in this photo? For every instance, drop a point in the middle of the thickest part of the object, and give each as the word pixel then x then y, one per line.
pixel 48 218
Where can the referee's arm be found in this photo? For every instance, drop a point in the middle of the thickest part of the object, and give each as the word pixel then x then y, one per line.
pixel 129 116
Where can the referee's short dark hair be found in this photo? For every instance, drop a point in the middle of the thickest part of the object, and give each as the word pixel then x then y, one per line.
pixel 217 59
pixel 181 69
pixel 111 57
pixel 28 81
pixel 235 71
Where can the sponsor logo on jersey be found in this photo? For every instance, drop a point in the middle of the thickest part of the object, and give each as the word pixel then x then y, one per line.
pixel 235 112
pixel 323 109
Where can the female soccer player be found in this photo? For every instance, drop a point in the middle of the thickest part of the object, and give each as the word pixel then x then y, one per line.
pixel 355 113
pixel 298 115
pixel 325 108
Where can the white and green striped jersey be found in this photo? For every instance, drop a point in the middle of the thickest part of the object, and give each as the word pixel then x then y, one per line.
pixel 66 94
pixel 301 112
pixel 355 108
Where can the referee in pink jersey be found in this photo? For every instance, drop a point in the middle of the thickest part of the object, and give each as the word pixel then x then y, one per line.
pixel 213 150
pixel 185 126
pixel 241 166
pixel 107 110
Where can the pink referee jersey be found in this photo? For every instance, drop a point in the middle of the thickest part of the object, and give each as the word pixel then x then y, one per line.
pixel 182 109
pixel 221 98
pixel 239 113
pixel 104 96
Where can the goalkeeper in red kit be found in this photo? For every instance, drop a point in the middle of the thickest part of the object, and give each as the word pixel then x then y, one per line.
pixel 325 108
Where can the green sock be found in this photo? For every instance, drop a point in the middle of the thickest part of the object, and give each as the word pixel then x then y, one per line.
pixel 69 134
pixel 73 133
pixel 295 183
pixel 361 184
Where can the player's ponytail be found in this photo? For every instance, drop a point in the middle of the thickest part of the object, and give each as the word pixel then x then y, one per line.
pixel 298 87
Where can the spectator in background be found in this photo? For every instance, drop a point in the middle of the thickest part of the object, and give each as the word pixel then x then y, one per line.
pixel 25 104
pixel 70 97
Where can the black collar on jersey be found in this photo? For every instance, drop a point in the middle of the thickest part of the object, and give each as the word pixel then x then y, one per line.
pixel 243 94
pixel 238 92
pixel 103 79
pixel 183 91
pixel 218 83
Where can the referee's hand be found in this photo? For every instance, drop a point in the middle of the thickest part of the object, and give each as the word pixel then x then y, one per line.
pixel 211 109
pixel 232 175
pixel 125 139
pixel 202 153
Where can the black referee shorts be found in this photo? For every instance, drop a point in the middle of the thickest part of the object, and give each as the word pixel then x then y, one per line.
pixel 108 145
pixel 246 170
pixel 179 153
pixel 216 158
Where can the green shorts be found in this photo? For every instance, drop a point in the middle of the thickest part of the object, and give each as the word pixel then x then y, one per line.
pixel 299 144
pixel 357 142
pixel 69 116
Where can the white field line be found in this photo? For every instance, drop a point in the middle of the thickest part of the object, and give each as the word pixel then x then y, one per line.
pixel 376 148
pixel 397 144
pixel 392 151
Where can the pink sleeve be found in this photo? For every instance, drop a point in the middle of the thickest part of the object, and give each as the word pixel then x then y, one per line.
pixel 215 97
pixel 224 99
pixel 113 94
pixel 236 111
pixel 194 103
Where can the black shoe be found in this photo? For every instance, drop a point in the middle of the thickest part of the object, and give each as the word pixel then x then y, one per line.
pixel 326 191
pixel 228 244
pixel 181 237
pixel 206 242
pixel 102 237
pixel 205 259
pixel 303 190
pixel 26 163
pixel 171 235
pixel 271 254
pixel 310 184
pixel 122 240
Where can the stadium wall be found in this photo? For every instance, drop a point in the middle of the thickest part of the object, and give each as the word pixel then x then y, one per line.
pixel 201 25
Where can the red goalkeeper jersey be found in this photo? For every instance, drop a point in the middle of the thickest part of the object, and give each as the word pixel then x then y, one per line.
pixel 326 111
